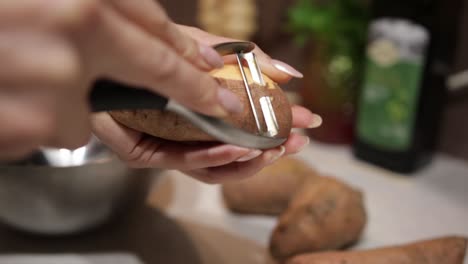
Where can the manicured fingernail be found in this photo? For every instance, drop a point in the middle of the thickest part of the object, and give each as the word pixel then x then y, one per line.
pixel 316 121
pixel 211 56
pixel 230 101
pixel 305 143
pixel 286 68
pixel 250 156
pixel 275 155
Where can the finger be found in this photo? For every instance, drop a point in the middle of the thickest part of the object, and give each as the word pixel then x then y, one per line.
pixel 151 16
pixel 296 143
pixel 278 71
pixel 36 59
pixel 152 152
pixel 304 118
pixel 172 155
pixel 135 57
pixel 117 137
pixel 236 170
pixel 149 152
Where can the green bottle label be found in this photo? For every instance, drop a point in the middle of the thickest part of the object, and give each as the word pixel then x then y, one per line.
pixel 395 64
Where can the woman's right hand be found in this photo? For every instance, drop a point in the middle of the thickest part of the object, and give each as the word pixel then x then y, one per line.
pixel 51 52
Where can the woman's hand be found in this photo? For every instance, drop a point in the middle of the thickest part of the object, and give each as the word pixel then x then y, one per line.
pixel 208 162
pixel 275 69
pixel 52 51
pixel 211 163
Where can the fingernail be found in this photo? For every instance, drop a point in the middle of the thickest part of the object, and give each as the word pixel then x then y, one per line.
pixel 250 156
pixel 316 121
pixel 286 68
pixel 211 56
pixel 306 142
pixel 275 155
pixel 230 101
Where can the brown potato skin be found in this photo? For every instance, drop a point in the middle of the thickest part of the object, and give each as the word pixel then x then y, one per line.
pixel 172 127
pixel 269 191
pixel 446 250
pixel 325 214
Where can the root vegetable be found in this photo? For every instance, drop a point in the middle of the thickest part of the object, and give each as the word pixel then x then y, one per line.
pixel 170 126
pixel 325 214
pixel 269 191
pixel 447 250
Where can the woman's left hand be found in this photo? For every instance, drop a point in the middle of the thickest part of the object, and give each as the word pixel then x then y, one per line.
pixel 207 162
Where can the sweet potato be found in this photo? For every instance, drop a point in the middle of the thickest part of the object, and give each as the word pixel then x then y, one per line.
pixel 325 214
pixel 170 126
pixel 269 191
pixel 446 250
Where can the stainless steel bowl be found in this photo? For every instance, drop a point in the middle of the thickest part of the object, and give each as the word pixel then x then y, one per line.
pixel 60 191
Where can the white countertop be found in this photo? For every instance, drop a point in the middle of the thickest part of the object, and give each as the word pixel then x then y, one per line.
pixel 401 209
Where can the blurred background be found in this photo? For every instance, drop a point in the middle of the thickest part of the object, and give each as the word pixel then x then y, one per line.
pixel 293 31
pixel 392 93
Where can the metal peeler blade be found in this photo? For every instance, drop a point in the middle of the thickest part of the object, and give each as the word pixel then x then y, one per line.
pixel 225 132
pixel 271 127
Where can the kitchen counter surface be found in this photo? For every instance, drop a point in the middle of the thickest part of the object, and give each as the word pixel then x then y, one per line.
pixel 188 223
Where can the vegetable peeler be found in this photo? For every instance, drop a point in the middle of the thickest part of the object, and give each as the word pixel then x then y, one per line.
pixel 108 95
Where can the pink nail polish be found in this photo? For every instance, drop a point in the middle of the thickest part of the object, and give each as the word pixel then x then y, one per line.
pixel 250 156
pixel 286 68
pixel 230 101
pixel 305 144
pixel 274 156
pixel 211 56
pixel 316 121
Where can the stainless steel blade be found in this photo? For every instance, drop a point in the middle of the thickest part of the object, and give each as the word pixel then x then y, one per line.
pixel 225 132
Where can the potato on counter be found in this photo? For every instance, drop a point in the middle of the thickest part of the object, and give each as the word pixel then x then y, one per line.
pixel 325 214
pixel 171 126
pixel 447 250
pixel 269 191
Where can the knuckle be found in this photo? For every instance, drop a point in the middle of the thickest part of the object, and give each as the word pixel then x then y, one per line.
pixel 169 66
pixel 190 50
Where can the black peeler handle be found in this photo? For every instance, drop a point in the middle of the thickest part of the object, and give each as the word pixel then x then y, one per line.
pixel 107 95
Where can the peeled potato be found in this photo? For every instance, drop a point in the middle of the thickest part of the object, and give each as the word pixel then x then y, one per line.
pixel 171 126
